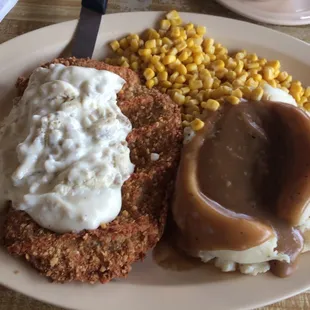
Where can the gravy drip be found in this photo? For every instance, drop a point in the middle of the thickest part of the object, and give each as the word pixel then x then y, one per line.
pixel 243 180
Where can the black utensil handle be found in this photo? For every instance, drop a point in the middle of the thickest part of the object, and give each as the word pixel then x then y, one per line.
pixel 98 6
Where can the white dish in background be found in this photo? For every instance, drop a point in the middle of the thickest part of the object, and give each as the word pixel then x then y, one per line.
pixel 149 286
pixel 277 12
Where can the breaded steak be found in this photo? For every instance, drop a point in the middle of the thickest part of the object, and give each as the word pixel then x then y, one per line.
pixel 109 251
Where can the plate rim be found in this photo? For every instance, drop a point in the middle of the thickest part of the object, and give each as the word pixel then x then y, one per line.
pixel 262 19
pixel 71 24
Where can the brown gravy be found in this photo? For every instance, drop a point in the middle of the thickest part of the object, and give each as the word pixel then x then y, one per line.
pixel 243 179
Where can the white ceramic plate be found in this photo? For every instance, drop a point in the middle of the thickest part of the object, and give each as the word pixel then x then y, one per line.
pixel 148 286
pixel 277 12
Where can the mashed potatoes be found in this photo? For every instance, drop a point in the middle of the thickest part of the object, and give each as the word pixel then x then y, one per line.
pixel 256 260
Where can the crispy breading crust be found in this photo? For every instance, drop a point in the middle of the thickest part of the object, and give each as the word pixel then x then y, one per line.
pixel 109 251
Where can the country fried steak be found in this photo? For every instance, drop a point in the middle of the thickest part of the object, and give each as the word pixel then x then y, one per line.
pixel 109 251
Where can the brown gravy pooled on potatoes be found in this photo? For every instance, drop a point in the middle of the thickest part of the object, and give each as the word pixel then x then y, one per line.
pixel 243 179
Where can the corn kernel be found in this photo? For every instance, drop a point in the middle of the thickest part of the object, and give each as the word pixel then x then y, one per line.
pixel 307 106
pixel 150 43
pixel 273 83
pixel 240 56
pixel 159 42
pixel 189 26
pixel 114 45
pixel 192 102
pixel 204 73
pixel 159 67
pixel 166 84
pixel 177 85
pixel 208 42
pixel 247 92
pixel 239 67
pixel 216 83
pixel 195 84
pixel 173 51
pixel 185 90
pixel 145 52
pixel 253 65
pixel 176 22
pixel 169 59
pixel 201 30
pixel 237 93
pixel 282 76
pixel 218 45
pixel 307 92
pixel 275 64
pixel 171 92
pixel 172 15
pixel 197 124
pixel 198 59
pixel 167 41
pixel 252 57
pixel 162 76
pixel 124 43
pixel 173 76
pixel 150 83
pixel 196 49
pixel 221 73
pixel 286 84
pixel 257 94
pixel 148 73
pixel 181 69
pixel 208 82
pixel 221 51
pixel 190 42
pixel 178 98
pixel 175 32
pixel 183 56
pixel 303 100
pixel 191 67
pixel 134 66
pixel 198 40
pixel 125 64
pixel 181 46
pixel 183 34
pixel 191 33
pixel 231 64
pixel 251 83
pixel 231 76
pixel 233 100
pixel 134 45
pixel 211 105
pixel 268 73
pixel 152 34
pixel 180 79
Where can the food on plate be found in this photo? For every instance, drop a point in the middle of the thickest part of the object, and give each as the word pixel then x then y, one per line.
pixel 242 192
pixel 208 81
pixel 93 172
pixel 90 156
pixel 198 73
